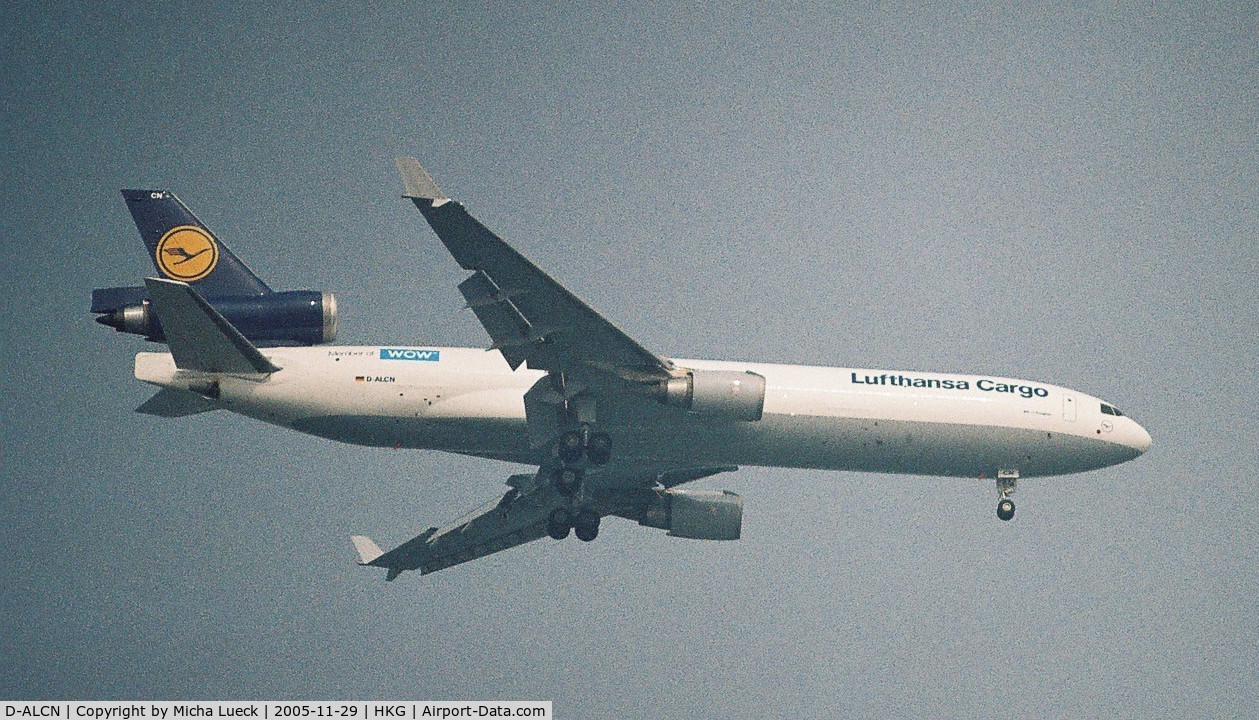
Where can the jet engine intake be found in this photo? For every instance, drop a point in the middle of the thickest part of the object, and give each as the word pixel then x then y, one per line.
pixel 724 394
pixel 697 514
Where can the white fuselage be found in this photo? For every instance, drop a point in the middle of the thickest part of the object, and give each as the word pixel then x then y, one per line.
pixel 469 401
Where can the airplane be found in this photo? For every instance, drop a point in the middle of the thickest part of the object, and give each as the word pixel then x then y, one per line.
pixel 610 427
pixel 183 248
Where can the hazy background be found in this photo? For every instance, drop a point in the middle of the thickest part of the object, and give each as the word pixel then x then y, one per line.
pixel 1064 195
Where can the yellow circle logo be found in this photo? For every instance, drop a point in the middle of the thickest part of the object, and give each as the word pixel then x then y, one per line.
pixel 187 253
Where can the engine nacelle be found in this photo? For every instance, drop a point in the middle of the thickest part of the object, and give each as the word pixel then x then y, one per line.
pixel 697 514
pixel 725 394
pixel 294 317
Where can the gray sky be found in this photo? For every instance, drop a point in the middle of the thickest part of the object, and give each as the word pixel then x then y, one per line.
pixel 1062 195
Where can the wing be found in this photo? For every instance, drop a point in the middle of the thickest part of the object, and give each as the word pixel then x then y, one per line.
pixel 521 516
pixel 598 380
pixel 514 519
pixel 529 316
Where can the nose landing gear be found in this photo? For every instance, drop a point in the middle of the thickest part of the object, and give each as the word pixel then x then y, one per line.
pixel 1007 481
pixel 1005 509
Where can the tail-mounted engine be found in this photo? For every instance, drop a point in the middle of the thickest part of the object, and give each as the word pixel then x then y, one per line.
pixel 294 317
pixel 723 394
pixel 697 514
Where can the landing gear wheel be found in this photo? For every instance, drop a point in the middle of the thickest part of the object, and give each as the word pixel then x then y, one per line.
pixel 567 481
pixel 599 448
pixel 559 523
pixel 1007 482
pixel 1005 509
pixel 586 525
pixel 572 447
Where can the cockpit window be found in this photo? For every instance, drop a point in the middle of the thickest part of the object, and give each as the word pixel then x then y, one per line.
pixel 1111 410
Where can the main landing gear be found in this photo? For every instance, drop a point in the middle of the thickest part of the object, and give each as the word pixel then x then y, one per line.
pixel 594 446
pixel 567 481
pixel 575 446
pixel 584 523
pixel 1007 481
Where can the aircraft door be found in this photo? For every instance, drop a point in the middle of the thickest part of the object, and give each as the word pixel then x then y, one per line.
pixel 1068 407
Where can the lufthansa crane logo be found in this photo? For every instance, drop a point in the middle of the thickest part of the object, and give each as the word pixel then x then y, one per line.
pixel 187 253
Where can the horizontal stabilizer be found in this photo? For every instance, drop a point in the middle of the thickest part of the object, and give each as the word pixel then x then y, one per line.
pixel 416 181
pixel 173 402
pixel 199 337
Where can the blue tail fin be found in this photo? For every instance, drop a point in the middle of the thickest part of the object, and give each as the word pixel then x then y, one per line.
pixel 183 248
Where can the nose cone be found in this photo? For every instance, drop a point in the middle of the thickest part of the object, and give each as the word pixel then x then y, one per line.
pixel 1138 439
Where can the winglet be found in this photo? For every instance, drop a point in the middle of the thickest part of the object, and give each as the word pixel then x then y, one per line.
pixel 367 549
pixel 199 337
pixel 417 183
